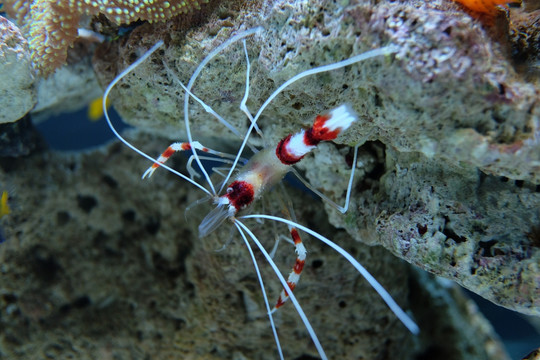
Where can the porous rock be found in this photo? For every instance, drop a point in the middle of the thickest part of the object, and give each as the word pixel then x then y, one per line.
pixel 17 91
pixel 450 91
pixel 69 89
pixel 98 263
pixel 21 91
pixel 444 123
pixel 477 229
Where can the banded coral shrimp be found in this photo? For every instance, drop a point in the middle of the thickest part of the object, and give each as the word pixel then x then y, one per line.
pixel 265 169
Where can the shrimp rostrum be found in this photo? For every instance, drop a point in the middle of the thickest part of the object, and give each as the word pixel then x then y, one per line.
pixel 244 184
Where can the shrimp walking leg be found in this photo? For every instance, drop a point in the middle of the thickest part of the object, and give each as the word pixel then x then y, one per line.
pixel 299 248
pixel 400 314
pixel 264 170
pixel 177 146
pixel 294 276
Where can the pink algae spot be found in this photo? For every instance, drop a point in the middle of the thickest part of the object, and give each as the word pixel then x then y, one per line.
pixel 508 148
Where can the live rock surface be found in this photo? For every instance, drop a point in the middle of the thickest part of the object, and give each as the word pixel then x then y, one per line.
pixel 101 264
pixel 449 126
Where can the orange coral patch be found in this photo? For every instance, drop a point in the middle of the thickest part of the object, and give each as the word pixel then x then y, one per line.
pixel 484 6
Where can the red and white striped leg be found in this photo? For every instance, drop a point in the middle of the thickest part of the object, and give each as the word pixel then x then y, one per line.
pixel 294 276
pixel 175 147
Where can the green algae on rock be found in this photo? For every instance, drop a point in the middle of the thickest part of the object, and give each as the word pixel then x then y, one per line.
pixel 462 224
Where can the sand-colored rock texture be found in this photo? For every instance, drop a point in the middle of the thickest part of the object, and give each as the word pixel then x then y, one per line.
pixel 450 127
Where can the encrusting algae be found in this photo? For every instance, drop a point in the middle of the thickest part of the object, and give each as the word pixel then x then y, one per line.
pixel 52 26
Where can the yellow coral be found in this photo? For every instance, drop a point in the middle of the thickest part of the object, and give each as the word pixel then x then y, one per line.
pixel 51 25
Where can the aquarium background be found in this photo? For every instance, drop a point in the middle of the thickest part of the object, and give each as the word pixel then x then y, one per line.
pixel 78 133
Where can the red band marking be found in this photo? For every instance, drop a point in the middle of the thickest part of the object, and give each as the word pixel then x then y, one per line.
pixel 320 132
pixel 291 286
pixel 312 137
pixel 283 155
pixel 296 237
pixel 168 152
pixel 298 266
pixel 280 302
pixel 240 194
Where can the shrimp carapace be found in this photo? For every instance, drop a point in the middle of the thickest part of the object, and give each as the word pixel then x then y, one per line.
pixel 270 165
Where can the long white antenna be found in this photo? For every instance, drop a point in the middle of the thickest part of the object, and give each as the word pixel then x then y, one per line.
pixel 261 283
pixel 190 86
pixel 401 315
pixel 127 143
pixel 334 66
pixel 292 297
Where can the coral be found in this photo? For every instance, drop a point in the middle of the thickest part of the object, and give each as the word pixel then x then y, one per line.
pixel 18 95
pixel 51 26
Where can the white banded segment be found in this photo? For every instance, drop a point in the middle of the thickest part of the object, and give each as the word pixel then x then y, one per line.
pixel 341 118
pixel 326 127
pixel 297 146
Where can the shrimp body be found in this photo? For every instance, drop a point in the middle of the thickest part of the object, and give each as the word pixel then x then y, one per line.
pixel 264 170
pixel 270 165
